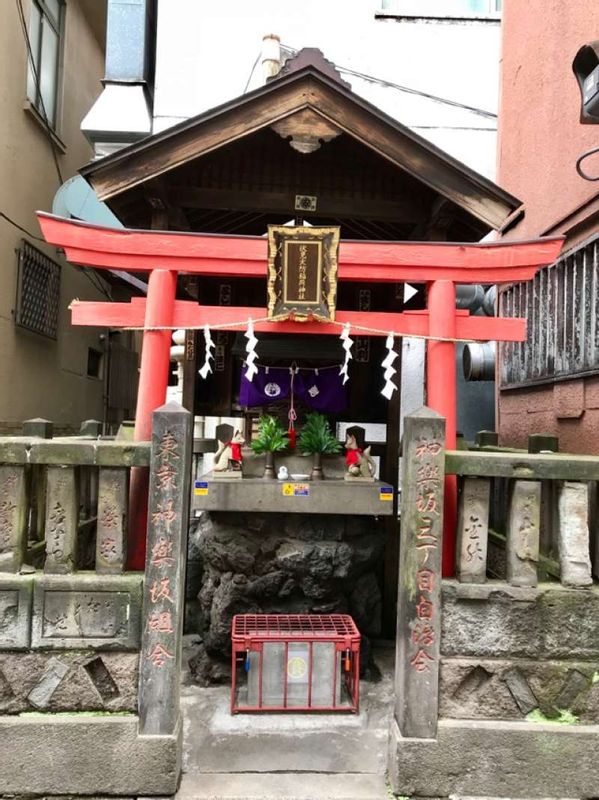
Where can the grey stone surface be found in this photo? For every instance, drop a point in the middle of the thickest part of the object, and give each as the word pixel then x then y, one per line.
pixel 324 497
pixel 62 518
pixel 276 563
pixel 164 588
pixel 38 427
pixel 419 600
pixel 16 592
pixel 111 530
pixel 282 786
pixel 66 755
pixel 13 517
pixel 89 681
pixel 41 694
pixel 520 690
pixel 523 532
pixel 573 534
pixel 87 611
pixel 473 530
pixel 217 742
pixel 497 759
pixel 498 621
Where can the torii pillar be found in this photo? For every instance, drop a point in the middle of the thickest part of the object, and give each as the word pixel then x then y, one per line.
pixel 438 264
pixel 441 396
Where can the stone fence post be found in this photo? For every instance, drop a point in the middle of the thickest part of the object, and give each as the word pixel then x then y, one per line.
pixel 419 602
pixel 164 590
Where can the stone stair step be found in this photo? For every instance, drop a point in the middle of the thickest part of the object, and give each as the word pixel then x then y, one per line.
pixel 282 786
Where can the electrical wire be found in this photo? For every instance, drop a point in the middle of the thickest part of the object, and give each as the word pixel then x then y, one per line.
pixel 20 227
pixel 406 89
pixel 44 115
pixel 579 168
pixel 95 280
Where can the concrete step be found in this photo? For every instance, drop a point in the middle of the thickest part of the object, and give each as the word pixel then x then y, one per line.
pixel 282 786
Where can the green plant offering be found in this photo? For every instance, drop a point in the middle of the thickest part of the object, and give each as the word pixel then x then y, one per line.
pixel 316 436
pixel 272 437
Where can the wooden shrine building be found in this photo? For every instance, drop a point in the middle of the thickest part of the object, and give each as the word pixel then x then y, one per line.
pixel 302 148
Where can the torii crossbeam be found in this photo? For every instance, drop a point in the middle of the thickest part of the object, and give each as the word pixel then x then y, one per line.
pixel 440 265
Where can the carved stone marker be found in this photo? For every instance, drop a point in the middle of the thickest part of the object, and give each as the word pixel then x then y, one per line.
pixel 574 553
pixel 112 524
pixel 419 607
pixel 523 533
pixel 13 517
pixel 62 518
pixel 168 517
pixel 473 530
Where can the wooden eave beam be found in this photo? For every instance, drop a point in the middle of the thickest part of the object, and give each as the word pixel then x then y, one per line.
pixel 246 256
pixel 188 314
pixel 399 211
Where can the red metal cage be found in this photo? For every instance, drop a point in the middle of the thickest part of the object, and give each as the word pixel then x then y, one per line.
pixel 295 662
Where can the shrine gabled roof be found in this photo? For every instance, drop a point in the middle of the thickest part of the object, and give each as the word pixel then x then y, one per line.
pixel 328 102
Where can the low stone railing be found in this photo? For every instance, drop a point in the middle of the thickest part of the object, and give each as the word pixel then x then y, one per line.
pixel 79 634
pixel 496 669
pixel 524 514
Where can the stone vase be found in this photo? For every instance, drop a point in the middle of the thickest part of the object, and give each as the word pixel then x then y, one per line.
pixel 316 474
pixel 269 467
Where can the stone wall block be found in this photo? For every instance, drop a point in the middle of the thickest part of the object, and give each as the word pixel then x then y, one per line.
pixel 164 586
pixel 13 517
pixel 574 551
pixel 523 533
pixel 62 520
pixel 111 536
pixel 419 602
pixel 473 530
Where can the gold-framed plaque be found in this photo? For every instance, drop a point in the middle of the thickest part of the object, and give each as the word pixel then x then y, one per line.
pixel 302 272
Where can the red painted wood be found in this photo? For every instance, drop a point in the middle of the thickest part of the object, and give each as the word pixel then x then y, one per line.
pixel 441 396
pixel 153 381
pixel 212 254
pixel 189 314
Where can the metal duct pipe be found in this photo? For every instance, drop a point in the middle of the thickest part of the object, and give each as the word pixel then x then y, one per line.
pixel 489 301
pixel 478 361
pixel 469 297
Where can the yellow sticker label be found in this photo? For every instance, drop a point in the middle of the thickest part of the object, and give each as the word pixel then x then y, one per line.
pixel 296 489
pixel 386 494
pixel 200 488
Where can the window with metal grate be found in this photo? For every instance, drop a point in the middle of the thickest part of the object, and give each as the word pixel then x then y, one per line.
pixel 38 291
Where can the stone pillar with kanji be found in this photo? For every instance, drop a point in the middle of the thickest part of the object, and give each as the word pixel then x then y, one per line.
pixel 168 517
pixel 419 601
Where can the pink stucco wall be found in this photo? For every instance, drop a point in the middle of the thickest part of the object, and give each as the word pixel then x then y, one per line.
pixel 540 138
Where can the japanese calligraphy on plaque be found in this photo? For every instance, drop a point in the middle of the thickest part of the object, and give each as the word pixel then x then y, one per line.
pixel 302 273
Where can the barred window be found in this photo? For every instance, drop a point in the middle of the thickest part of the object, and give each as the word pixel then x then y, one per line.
pixel 38 291
pixel 561 306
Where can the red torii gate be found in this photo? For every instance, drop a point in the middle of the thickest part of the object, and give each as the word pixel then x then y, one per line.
pixel 440 265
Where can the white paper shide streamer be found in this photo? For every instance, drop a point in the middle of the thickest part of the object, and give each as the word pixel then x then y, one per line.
pixel 250 350
pixel 347 345
pixel 207 366
pixel 389 387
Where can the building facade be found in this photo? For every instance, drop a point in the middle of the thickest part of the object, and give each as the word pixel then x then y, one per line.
pixel 551 382
pixel 52 61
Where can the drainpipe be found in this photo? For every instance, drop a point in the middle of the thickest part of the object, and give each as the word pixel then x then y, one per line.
pixel 122 114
